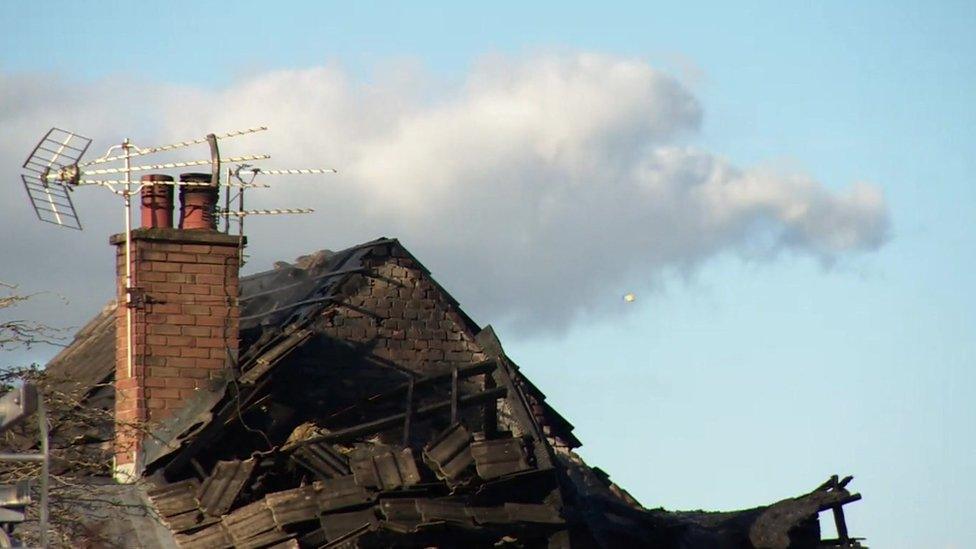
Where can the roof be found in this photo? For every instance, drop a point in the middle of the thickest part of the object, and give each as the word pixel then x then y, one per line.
pixel 272 298
pixel 329 430
pixel 89 360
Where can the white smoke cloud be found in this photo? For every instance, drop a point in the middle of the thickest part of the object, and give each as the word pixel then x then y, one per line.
pixel 535 190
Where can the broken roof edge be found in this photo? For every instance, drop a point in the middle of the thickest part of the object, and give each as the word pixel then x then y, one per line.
pixel 469 322
pixel 86 373
pixel 780 525
pixel 82 335
pixel 488 339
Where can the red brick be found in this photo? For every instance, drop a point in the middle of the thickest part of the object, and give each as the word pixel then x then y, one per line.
pixel 163 372
pixel 224 294
pixel 162 267
pixel 179 382
pixel 161 392
pixel 196 248
pixel 179 278
pixel 166 308
pixel 181 362
pixel 166 287
pixel 167 247
pixel 194 373
pixel 194 352
pixel 210 342
pixel 211 321
pixel 194 268
pixel 155 360
pixel 164 350
pixel 211 363
pixel 209 278
pixel 129 414
pixel 165 329
pixel 196 309
pixel 225 250
pixel 175 320
pixel 127 383
pixel 195 289
pixel 150 276
pixel 198 331
pixel 181 257
pixel 131 399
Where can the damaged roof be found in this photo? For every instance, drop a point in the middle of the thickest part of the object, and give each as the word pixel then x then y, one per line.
pixel 367 409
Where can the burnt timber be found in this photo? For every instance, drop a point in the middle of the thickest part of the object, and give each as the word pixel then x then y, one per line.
pixel 366 409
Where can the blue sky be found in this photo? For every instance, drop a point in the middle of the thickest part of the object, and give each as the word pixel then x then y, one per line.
pixel 744 379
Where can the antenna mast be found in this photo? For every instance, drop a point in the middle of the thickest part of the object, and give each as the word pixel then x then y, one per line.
pixel 53 171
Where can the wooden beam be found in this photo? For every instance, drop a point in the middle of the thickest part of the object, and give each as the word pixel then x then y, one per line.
pixel 455 393
pixel 391 421
pixel 408 415
pixel 841 523
pixel 470 370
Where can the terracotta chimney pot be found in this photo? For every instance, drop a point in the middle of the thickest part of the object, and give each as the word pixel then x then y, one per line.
pixel 157 202
pixel 198 204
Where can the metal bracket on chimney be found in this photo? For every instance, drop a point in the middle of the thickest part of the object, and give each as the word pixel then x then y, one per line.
pixel 137 298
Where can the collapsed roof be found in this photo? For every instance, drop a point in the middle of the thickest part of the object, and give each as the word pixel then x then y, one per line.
pixel 366 409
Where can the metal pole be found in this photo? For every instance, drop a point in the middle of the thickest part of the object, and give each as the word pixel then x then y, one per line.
pixel 128 257
pixel 45 468
pixel 227 202
pixel 129 282
pixel 240 220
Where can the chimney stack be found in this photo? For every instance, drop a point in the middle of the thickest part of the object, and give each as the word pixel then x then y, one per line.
pixel 183 308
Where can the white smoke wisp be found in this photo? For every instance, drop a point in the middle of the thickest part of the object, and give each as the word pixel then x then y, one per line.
pixel 534 190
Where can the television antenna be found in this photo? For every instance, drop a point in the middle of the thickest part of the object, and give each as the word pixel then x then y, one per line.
pixel 54 170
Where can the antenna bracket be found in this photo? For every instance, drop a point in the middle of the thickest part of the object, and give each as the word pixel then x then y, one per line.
pixel 137 298
pixel 65 175
pixel 69 174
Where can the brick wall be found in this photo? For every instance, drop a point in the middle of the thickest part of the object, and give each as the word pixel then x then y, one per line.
pixel 415 325
pixel 418 326
pixel 185 325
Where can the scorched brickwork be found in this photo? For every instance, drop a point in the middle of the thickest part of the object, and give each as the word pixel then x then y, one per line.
pixel 408 319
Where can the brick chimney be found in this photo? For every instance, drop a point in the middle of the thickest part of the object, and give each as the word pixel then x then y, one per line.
pixel 184 317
